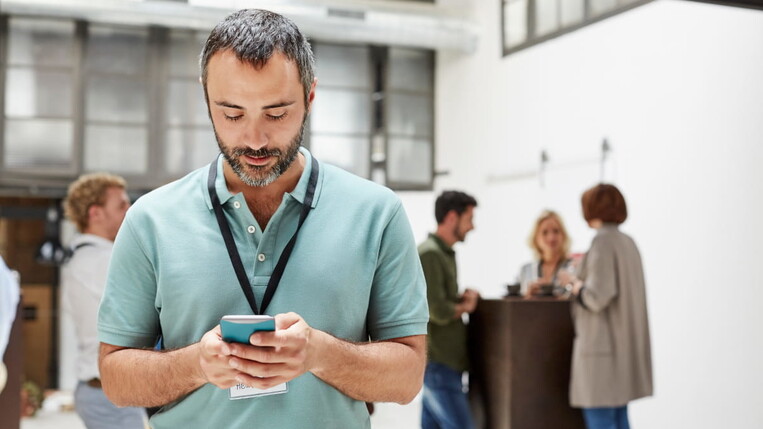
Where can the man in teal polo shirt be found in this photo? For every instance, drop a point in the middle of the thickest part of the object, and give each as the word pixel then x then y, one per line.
pixel 444 403
pixel 352 275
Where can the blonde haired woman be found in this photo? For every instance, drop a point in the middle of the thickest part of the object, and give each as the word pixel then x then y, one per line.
pixel 551 245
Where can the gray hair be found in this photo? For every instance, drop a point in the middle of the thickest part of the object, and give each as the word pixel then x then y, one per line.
pixel 254 35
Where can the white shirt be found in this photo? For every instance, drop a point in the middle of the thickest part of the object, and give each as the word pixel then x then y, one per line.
pixel 83 280
pixel 9 300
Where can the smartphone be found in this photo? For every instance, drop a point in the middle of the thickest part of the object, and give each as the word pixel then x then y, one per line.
pixel 238 328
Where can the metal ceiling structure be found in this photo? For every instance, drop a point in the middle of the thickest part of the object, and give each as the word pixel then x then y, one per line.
pixel 386 22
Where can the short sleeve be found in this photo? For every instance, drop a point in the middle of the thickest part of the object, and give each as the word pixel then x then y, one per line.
pixel 127 316
pixel 398 306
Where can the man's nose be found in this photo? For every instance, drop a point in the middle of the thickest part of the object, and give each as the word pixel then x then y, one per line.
pixel 256 136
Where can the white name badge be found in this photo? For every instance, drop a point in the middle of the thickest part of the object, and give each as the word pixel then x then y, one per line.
pixel 242 391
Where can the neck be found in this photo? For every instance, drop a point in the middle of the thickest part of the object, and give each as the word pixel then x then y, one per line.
pixel 446 235
pixel 551 258
pixel 99 231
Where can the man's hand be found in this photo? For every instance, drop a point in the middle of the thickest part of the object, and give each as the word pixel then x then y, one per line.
pixel 469 299
pixel 214 360
pixel 274 357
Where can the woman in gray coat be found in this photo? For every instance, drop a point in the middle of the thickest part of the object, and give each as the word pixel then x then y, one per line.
pixel 611 358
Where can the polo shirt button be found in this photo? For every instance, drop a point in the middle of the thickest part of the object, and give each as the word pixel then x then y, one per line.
pixel 251 229
pixel 261 257
pixel 236 204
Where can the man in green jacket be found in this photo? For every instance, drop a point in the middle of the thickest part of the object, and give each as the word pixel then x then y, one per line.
pixel 445 404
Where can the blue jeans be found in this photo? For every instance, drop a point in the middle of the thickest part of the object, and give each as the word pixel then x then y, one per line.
pixel 606 418
pixel 98 412
pixel 445 405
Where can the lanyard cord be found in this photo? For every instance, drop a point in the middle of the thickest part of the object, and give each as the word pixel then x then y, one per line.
pixel 230 243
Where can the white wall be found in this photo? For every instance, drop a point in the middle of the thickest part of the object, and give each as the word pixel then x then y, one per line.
pixel 677 88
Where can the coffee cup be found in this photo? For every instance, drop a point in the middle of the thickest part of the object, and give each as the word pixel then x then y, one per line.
pixel 512 289
pixel 546 289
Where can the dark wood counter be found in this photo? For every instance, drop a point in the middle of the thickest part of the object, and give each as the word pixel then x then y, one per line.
pixel 520 364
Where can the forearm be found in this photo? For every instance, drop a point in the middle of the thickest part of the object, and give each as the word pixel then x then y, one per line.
pixel 148 378
pixel 386 371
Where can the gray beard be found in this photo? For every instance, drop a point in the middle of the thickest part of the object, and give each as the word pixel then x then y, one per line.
pixel 284 160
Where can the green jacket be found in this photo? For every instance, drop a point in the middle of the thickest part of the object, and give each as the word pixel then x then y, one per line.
pixel 446 341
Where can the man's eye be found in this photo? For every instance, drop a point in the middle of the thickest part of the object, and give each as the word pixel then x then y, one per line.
pixel 277 117
pixel 233 118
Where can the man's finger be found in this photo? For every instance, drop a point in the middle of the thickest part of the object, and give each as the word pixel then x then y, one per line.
pixel 281 338
pixel 257 354
pixel 286 320
pixel 258 369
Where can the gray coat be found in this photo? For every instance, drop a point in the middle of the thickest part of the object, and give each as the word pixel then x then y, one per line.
pixel 611 357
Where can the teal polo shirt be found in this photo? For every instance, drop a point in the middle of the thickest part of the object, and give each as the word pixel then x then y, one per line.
pixel 354 273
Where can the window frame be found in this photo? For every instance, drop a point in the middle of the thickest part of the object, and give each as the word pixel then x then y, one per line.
pixel 532 39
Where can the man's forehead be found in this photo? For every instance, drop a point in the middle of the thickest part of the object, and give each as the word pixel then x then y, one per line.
pixel 228 57
pixel 115 191
pixel 229 77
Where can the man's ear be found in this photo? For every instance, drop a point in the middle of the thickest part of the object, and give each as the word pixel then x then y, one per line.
pixel 94 212
pixel 311 96
pixel 451 217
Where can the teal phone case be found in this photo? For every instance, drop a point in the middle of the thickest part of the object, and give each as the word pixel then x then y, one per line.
pixel 236 332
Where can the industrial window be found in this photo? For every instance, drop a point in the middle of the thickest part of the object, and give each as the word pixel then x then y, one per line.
pixel 116 71
pixel 374 113
pixel 39 97
pixel 529 22
pixel 77 97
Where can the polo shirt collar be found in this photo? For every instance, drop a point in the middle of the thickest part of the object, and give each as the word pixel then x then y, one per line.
pixel 298 193
pixel 300 190
pixel 441 244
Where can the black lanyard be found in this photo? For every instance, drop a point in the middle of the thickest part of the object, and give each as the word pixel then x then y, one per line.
pixel 230 243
